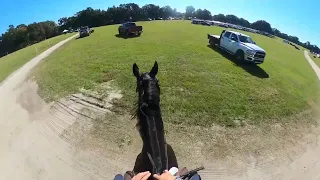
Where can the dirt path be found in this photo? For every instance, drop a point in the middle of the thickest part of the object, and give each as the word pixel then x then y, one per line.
pixel 74 139
pixel 313 64
pixel 28 150
pixel 57 141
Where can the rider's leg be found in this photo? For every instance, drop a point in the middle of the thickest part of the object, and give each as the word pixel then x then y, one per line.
pixel 128 175
pixel 195 177
pixel 172 159
pixel 118 177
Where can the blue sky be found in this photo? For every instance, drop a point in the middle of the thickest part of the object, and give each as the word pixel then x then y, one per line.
pixel 294 17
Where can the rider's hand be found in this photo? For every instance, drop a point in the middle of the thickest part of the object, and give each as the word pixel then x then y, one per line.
pixel 164 176
pixel 142 176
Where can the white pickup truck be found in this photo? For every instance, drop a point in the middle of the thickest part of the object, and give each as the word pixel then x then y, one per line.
pixel 239 45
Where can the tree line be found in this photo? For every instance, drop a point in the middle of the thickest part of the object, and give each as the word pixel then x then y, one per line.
pixel 23 35
pixel 115 15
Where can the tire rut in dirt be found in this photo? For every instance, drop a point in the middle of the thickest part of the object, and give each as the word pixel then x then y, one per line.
pixel 70 121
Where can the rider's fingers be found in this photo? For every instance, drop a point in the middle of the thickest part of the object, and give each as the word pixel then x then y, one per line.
pixel 140 176
pixel 156 176
pixel 146 176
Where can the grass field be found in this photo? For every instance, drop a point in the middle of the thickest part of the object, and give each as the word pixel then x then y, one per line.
pixel 13 61
pixel 199 85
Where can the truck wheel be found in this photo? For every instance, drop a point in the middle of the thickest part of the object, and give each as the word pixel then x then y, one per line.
pixel 239 56
pixel 212 43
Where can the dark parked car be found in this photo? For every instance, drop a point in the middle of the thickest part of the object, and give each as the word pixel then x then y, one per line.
pixel 129 28
pixel 85 31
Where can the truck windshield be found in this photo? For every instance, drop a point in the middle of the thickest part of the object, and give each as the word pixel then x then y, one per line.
pixel 246 39
pixel 130 24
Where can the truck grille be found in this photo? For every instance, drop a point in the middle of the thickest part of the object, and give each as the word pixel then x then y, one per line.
pixel 260 55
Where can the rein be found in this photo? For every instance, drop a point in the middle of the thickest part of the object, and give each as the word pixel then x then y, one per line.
pixel 165 145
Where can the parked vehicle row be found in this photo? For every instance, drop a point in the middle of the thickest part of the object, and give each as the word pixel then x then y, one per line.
pixel 126 29
pixel 228 25
pixel 238 44
pixel 292 44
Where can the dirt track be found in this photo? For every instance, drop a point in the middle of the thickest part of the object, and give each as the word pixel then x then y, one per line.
pixel 29 150
pixel 54 141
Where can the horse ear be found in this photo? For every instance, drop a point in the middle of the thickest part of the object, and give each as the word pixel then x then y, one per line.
pixel 154 70
pixel 135 70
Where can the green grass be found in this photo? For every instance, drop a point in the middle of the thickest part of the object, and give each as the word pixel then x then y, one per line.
pixel 199 86
pixel 13 61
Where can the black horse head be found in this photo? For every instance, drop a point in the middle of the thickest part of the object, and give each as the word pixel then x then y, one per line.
pixel 150 122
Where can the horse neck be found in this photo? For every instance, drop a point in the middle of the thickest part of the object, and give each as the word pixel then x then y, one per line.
pixel 153 115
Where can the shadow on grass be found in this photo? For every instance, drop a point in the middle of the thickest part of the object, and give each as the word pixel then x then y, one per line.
pixel 123 36
pixel 81 37
pixel 251 68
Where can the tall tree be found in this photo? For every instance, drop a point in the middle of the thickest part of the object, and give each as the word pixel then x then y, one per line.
pixel 219 17
pixel 262 25
pixel 151 11
pixel 166 11
pixel 203 14
pixel 232 19
pixel 244 22
pixel 189 12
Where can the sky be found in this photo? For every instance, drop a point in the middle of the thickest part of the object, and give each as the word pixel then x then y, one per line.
pixel 294 17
